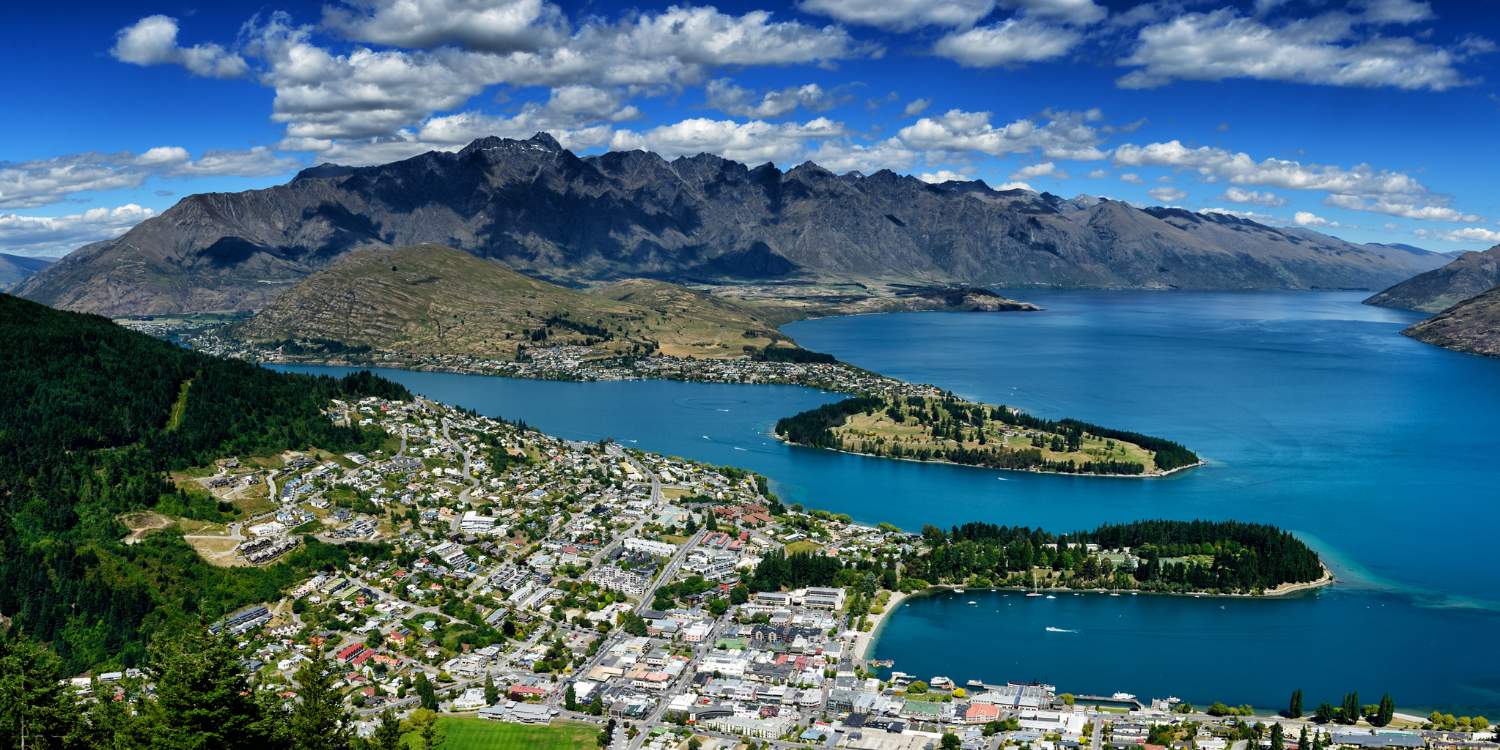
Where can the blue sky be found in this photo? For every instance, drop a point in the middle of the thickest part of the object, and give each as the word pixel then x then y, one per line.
pixel 1374 120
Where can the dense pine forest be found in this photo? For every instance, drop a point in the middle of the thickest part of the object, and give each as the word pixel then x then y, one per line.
pixel 93 419
pixel 1172 556
pixel 962 432
pixel 1167 556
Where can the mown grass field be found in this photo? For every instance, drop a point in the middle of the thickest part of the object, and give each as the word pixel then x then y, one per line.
pixel 461 733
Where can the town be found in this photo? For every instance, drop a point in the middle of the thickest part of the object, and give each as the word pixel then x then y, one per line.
pixel 522 579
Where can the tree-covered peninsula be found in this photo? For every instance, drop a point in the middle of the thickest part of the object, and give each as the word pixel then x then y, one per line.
pixel 946 428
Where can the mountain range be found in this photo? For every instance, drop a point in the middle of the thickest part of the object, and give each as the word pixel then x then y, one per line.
pixel 550 214
pixel 15 268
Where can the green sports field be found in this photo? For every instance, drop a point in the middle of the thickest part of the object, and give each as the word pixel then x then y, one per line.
pixel 484 734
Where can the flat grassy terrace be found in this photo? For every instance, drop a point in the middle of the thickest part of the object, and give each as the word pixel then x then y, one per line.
pixel 461 733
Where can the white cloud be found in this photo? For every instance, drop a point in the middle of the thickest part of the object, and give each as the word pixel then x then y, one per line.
pixel 153 41
pixel 365 94
pixel 1256 197
pixel 1251 215
pixel 1328 49
pixel 45 181
pixel 752 142
pixel 57 235
pixel 1396 11
pixel 916 107
pixel 723 95
pixel 841 155
pixel 487 25
pixel 1015 186
pixel 1472 234
pixel 1400 208
pixel 1166 194
pixel 1066 135
pixel 1131 177
pixel 1043 169
pixel 1098 174
pixel 1079 12
pixel 1009 42
pixel 941 176
pixel 1310 219
pixel 1212 163
pixel 902 15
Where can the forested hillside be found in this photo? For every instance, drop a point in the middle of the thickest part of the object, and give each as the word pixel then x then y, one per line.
pixel 93 418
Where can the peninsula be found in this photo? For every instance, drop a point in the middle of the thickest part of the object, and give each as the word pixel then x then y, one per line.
pixel 944 428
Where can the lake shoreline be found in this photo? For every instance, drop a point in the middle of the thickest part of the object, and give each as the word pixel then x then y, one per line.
pixel 866 641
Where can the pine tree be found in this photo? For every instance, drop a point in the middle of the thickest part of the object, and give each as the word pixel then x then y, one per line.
pixel 34 704
pixel 1294 709
pixel 426 693
pixel 203 699
pixel 387 735
pixel 1302 738
pixel 596 705
pixel 1386 712
pixel 1350 712
pixel 1278 737
pixel 318 720
pixel 570 698
pixel 491 693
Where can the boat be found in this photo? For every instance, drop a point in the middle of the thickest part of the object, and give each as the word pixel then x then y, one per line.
pixel 958 591
pixel 1114 593
pixel 1122 697
pixel 1049 596
pixel 971 601
pixel 1051 629
pixel 1033 593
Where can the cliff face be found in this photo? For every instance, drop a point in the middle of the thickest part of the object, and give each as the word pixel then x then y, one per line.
pixel 1471 326
pixel 548 213
pixel 1467 276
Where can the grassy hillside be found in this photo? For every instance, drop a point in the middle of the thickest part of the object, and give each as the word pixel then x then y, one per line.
pixel 94 420
pixel 429 299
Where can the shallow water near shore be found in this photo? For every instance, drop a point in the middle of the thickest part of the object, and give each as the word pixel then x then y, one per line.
pixel 1313 412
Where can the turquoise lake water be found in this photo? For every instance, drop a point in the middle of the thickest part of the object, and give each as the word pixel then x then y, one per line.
pixel 1315 414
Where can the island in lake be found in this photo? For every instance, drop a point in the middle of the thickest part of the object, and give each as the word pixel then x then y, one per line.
pixel 945 428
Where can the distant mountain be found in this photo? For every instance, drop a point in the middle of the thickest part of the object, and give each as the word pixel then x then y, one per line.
pixel 1468 275
pixel 15 268
pixel 433 300
pixel 1470 326
pixel 551 214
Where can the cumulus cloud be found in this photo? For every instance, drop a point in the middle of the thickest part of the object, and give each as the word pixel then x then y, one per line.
pixel 901 15
pixel 1098 174
pixel 752 142
pixel 58 235
pixel 487 25
pixel 1401 208
pixel 153 41
pixel 841 155
pixel 45 181
pixel 916 107
pixel 1065 135
pixel 1009 42
pixel 1259 198
pixel 1131 177
pixel 1331 49
pixel 365 94
pixel 1166 194
pixel 723 95
pixel 1044 169
pixel 1310 219
pixel 1212 163
pixel 941 176
pixel 1079 12
pixel 1014 186
pixel 1472 234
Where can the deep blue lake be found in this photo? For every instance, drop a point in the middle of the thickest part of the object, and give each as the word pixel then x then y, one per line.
pixel 1315 414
